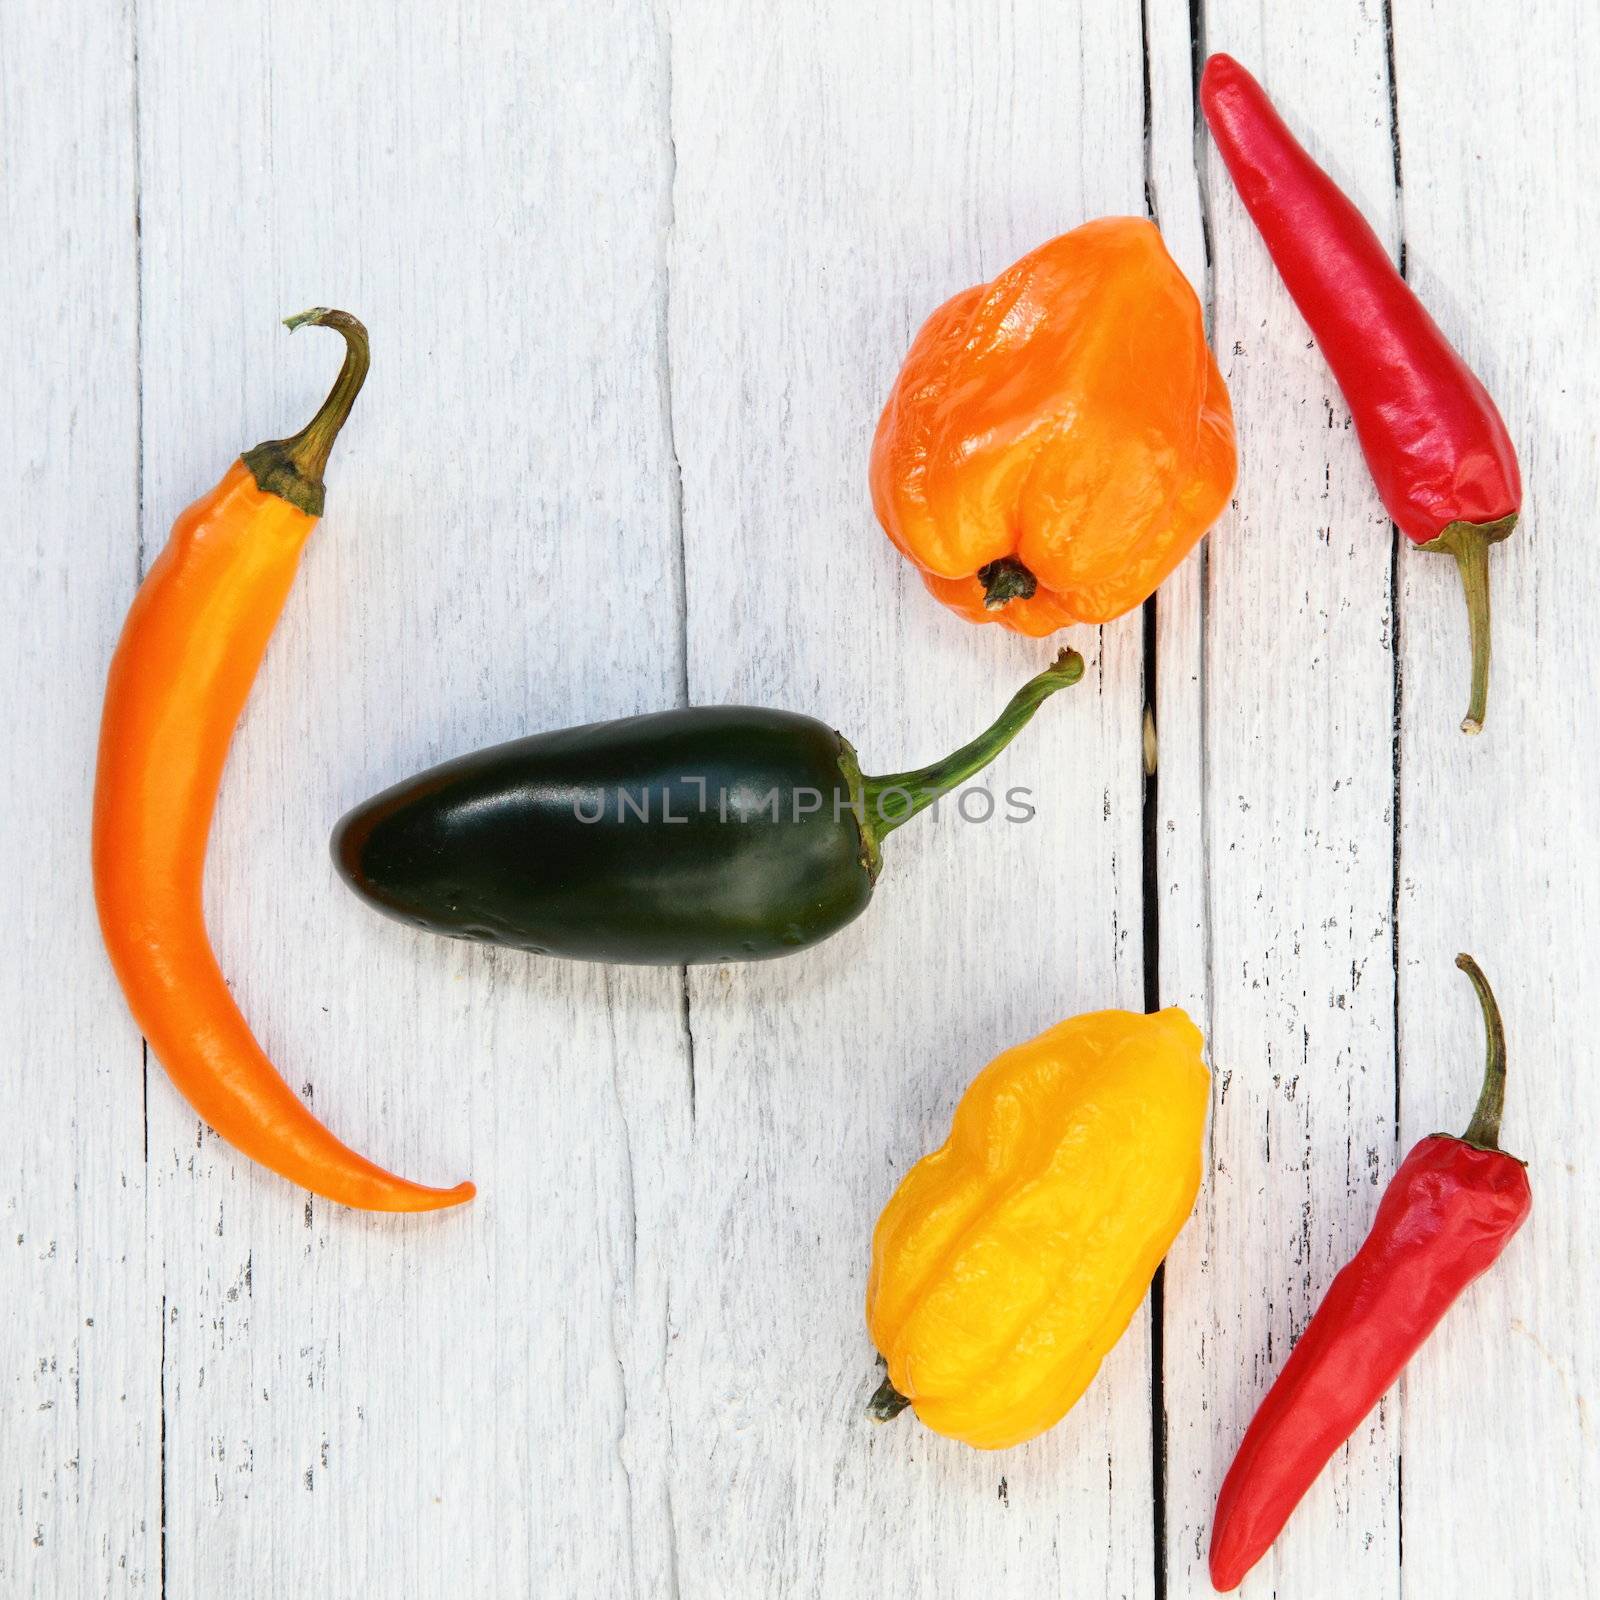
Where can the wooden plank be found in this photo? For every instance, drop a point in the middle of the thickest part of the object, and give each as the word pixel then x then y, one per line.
pixel 1498 834
pixel 79 1411
pixel 1178 923
pixel 470 1402
pixel 1288 950
pixel 841 170
pixel 638 1363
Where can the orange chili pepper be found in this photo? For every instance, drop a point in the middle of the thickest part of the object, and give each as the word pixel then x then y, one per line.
pixel 1059 439
pixel 189 651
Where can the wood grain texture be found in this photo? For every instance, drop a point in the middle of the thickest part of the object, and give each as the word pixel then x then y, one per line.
pixel 1178 856
pixel 1499 834
pixel 80 1412
pixel 638 277
pixel 839 174
pixel 470 1402
pixel 1296 848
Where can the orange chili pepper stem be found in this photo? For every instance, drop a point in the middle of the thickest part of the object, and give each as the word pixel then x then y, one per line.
pixel 886 1403
pixel 1469 543
pixel 1483 1131
pixel 292 468
pixel 890 801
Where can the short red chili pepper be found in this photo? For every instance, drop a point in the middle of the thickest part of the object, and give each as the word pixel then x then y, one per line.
pixel 1448 1212
pixel 1438 449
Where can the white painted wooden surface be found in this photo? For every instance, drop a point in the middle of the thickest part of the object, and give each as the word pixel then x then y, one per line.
pixel 638 278
pixel 1296 863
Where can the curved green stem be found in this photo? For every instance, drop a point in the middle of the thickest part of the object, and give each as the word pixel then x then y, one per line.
pixel 1469 543
pixel 292 468
pixel 886 1403
pixel 890 801
pixel 1484 1129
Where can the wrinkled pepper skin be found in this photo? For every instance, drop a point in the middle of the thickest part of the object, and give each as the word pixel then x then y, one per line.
pixel 1009 1262
pixel 1059 439
pixel 706 834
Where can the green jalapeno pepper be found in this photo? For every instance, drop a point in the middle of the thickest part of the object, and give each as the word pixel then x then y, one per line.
pixel 715 833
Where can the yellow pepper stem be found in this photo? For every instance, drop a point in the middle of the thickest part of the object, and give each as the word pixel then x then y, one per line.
pixel 886 1403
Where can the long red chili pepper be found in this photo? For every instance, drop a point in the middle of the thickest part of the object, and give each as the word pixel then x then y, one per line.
pixel 1448 1212
pixel 1438 449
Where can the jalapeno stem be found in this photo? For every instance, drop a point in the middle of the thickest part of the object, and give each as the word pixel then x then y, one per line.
pixel 895 799
pixel 292 468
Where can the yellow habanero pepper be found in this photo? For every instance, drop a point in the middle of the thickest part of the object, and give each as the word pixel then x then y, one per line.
pixel 1009 1262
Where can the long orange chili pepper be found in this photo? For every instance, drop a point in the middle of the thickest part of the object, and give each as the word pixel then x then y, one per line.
pixel 189 651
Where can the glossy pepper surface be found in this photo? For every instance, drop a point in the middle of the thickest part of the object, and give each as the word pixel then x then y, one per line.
pixel 180 675
pixel 1009 1262
pixel 708 834
pixel 1450 1209
pixel 1057 440
pixel 1438 449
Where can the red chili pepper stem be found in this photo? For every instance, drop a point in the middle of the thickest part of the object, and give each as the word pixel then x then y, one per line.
pixel 1469 543
pixel 1483 1132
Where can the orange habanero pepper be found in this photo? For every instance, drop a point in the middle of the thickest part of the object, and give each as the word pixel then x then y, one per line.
pixel 189 652
pixel 1059 439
